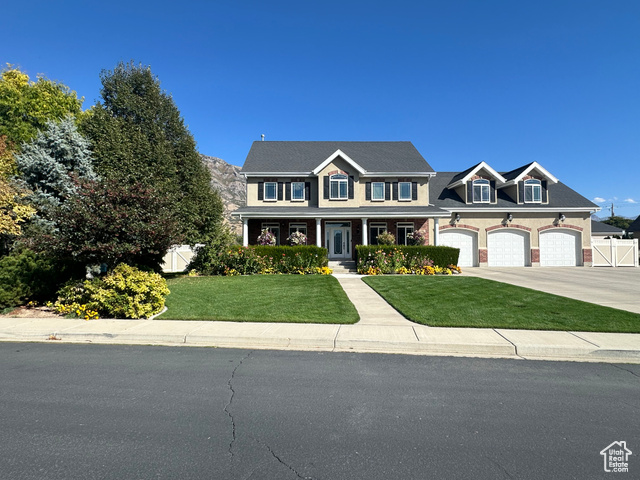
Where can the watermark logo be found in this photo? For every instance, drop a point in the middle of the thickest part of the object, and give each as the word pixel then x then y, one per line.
pixel 616 457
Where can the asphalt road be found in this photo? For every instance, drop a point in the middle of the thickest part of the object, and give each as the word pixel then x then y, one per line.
pixel 131 412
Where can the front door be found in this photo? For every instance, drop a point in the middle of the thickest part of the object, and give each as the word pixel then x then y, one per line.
pixel 339 241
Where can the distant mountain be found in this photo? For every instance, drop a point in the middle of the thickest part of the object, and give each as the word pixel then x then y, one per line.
pixel 230 184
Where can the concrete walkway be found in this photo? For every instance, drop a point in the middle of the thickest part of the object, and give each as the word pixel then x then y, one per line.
pixel 381 329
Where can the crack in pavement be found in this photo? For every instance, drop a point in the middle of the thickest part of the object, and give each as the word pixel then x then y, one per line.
pixel 273 454
pixel 226 407
pixel 626 370
pixel 499 466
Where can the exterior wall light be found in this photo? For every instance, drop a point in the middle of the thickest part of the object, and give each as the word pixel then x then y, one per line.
pixel 561 217
pixel 457 217
pixel 509 217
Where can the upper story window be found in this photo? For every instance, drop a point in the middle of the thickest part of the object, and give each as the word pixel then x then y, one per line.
pixel 404 191
pixel 532 191
pixel 481 191
pixel 297 191
pixel 270 190
pixel 338 187
pixel 377 190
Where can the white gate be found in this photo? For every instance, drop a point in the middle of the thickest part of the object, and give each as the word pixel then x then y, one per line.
pixel 612 252
pixel 177 258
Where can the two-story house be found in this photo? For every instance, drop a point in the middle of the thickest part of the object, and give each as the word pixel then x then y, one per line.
pixel 341 194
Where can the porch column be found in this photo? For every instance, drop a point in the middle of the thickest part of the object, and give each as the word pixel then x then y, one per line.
pixel 436 231
pixel 245 232
pixel 365 232
pixel 319 232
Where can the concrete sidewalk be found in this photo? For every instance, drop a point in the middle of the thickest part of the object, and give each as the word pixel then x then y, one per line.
pixel 381 329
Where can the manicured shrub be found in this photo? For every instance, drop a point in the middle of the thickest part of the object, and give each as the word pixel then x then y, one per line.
pixel 377 259
pixel 260 259
pixel 126 292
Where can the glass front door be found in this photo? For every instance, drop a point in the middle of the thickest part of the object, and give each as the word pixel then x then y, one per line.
pixel 339 241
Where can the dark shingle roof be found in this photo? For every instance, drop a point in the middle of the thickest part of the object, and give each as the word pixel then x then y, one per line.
pixel 560 196
pixel 604 228
pixel 635 226
pixel 515 173
pixel 305 156
pixel 461 175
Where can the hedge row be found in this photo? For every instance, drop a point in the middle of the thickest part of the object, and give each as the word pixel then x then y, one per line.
pixel 302 259
pixel 392 258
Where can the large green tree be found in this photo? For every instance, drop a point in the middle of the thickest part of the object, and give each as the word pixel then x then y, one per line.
pixel 26 106
pixel 138 135
pixel 620 222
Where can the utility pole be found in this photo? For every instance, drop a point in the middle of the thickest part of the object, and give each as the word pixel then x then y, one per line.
pixel 612 214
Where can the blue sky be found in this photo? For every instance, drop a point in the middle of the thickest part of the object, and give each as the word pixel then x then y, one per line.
pixel 507 82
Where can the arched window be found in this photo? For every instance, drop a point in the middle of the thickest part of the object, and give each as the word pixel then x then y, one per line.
pixel 338 187
pixel 481 191
pixel 532 191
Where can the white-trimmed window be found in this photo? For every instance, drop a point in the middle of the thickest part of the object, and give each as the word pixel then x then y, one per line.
pixel 297 191
pixel 377 191
pixel 270 190
pixel 338 187
pixel 532 191
pixel 404 229
pixel 404 191
pixel 376 229
pixel 297 227
pixel 481 191
pixel 274 228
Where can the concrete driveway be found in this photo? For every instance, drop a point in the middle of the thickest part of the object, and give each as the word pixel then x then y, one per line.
pixel 612 287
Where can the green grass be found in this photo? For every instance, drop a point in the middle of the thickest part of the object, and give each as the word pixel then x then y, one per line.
pixel 260 298
pixel 454 301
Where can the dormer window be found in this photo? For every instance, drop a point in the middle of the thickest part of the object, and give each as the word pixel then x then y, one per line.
pixel 338 187
pixel 481 191
pixel 532 191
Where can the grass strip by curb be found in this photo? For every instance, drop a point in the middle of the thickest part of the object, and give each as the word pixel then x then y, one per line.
pixel 457 301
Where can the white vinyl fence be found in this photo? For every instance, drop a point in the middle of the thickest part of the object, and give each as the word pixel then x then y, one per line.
pixel 178 257
pixel 612 252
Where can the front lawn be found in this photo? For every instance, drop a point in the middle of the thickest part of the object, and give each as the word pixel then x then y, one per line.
pixel 475 302
pixel 260 298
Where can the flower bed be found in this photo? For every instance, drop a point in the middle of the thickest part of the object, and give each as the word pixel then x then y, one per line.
pixel 416 260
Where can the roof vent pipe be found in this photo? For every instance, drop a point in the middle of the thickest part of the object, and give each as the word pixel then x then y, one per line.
pixel 262 137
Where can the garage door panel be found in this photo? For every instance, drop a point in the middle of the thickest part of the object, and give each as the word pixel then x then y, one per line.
pixel 559 248
pixel 466 241
pixel 508 248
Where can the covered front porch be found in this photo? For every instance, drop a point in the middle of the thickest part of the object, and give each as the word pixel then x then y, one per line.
pixel 338 230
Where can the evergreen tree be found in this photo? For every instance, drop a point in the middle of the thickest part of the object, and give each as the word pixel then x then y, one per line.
pixel 137 135
pixel 50 163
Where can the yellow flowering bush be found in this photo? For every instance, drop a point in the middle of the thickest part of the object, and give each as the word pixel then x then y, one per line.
pixel 126 292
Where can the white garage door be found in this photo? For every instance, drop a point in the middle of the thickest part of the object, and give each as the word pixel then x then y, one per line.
pixel 507 248
pixel 559 248
pixel 466 241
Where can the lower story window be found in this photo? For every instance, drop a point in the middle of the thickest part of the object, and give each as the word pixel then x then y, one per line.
pixel 404 229
pixel 376 229
pixel 297 227
pixel 274 228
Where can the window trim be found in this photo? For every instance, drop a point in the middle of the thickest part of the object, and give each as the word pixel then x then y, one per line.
pixel 533 184
pixel 298 227
pixel 484 184
pixel 400 197
pixel 381 199
pixel 377 225
pixel 269 226
pixel 275 192
pixel 344 179
pixel 293 199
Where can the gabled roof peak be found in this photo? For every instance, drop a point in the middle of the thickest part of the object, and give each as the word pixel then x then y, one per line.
pixel 463 177
pixel 519 173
